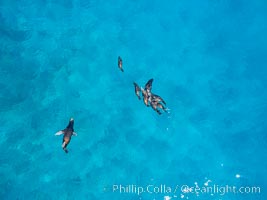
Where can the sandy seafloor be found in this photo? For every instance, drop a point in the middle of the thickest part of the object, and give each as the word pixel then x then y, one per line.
pixel 58 59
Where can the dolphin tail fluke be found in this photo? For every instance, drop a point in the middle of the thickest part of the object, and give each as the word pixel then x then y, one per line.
pixel 64 147
pixel 66 150
pixel 158 112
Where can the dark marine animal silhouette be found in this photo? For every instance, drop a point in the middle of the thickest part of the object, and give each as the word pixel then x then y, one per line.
pixel 68 133
pixel 137 90
pixel 155 101
pixel 120 63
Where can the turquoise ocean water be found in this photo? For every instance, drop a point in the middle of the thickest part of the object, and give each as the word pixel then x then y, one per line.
pixel 58 59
